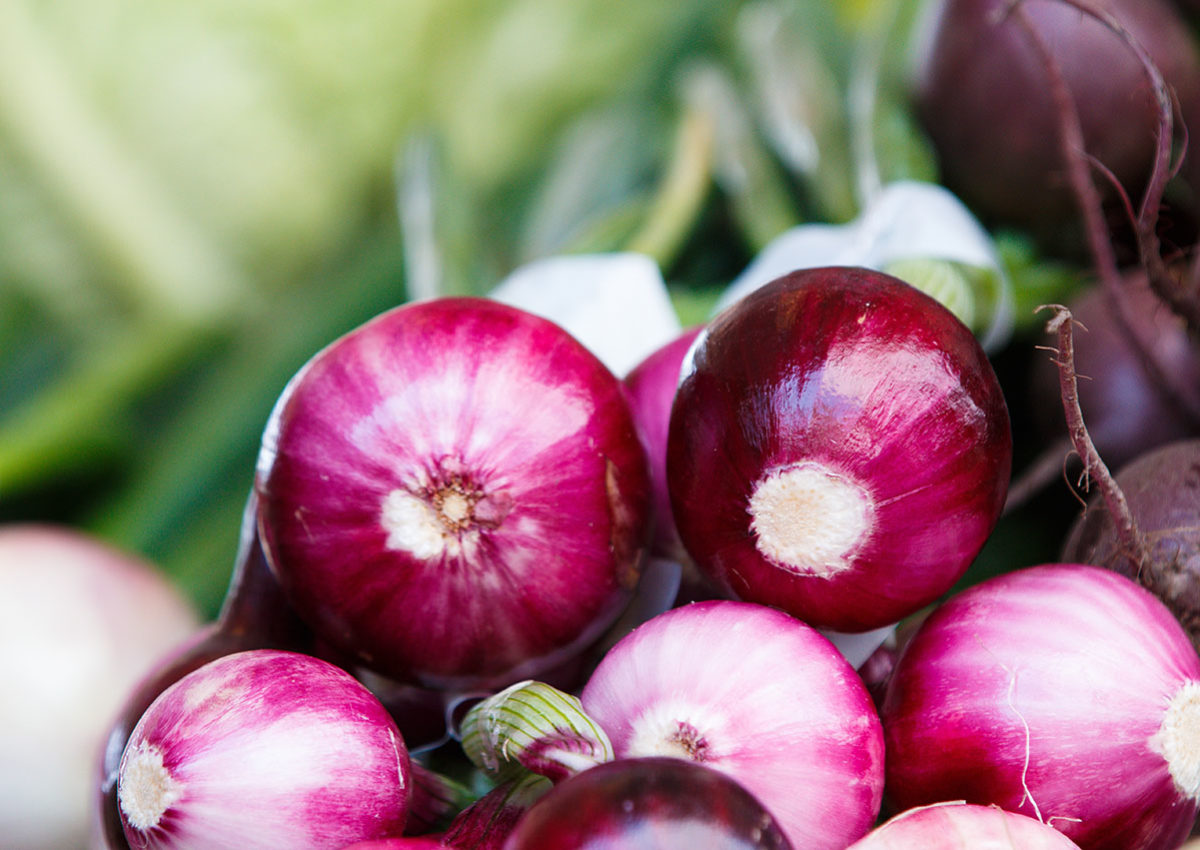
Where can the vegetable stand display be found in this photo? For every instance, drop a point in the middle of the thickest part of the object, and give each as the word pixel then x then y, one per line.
pixel 790 442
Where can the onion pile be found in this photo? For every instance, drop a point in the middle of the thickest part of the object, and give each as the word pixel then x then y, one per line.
pixel 458 498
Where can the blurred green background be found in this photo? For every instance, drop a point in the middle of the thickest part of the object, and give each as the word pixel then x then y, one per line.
pixel 196 197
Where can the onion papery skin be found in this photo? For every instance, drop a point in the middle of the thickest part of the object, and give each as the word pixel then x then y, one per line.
pixel 759 695
pixel 962 826
pixel 658 803
pixel 264 749
pixel 506 418
pixel 875 390
pixel 1044 692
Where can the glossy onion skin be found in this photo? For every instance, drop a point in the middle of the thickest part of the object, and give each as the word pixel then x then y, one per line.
pixel 1046 683
pixel 657 803
pixel 760 696
pixel 962 826
pixel 864 374
pixel 271 749
pixel 511 404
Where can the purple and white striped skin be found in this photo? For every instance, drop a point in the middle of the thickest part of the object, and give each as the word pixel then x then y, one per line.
pixel 962 826
pixel 455 492
pixel 840 449
pixel 263 750
pixel 651 386
pixel 1064 692
pixel 759 695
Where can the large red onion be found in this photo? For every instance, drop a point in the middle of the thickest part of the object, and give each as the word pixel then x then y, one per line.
pixel 1064 692
pixel 962 826
pixel 455 493
pixel 260 750
pixel 840 448
pixel 759 695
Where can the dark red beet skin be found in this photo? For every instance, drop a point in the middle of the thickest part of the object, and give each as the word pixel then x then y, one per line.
pixel 658 803
pixel 984 97
pixel 840 449
pixel 1162 488
pixel 1127 409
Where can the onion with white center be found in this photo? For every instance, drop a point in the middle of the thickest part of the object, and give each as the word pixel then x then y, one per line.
pixel 455 493
pixel 962 826
pixel 757 694
pixel 80 623
pixel 839 448
pixel 1064 692
pixel 263 750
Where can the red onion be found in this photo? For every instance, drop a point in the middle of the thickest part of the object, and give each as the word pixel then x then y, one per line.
pixel 412 842
pixel 455 493
pixel 961 826
pixel 1065 692
pixel 647 804
pixel 254 615
pixel 651 386
pixel 80 623
pixel 263 749
pixel 840 448
pixel 755 693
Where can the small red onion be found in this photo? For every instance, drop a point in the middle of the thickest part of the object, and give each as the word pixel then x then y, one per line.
pixel 647 804
pixel 961 826
pixel 1065 692
pixel 840 448
pixel 759 695
pixel 80 623
pixel 263 749
pixel 455 492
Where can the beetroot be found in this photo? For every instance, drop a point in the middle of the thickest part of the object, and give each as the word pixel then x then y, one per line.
pixel 1127 409
pixel 983 95
pixel 1162 488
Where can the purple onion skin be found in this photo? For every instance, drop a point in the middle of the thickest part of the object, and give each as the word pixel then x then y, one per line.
pixel 1126 410
pixel 1044 692
pixel 961 826
pixel 266 749
pixel 984 97
pixel 757 694
pixel 507 421
pixel 647 804
pixel 874 383
pixel 1162 488
pixel 651 387
pixel 416 842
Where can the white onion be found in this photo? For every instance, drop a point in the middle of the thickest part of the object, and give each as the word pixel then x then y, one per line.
pixel 80 623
